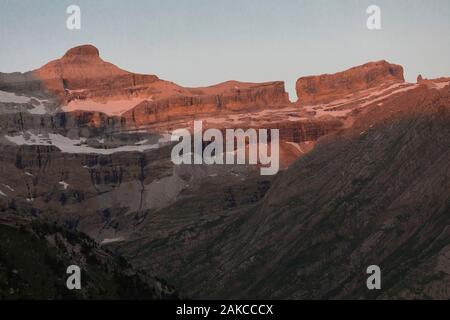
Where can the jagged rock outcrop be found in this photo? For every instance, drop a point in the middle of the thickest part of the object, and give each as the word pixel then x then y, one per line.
pixel 328 87
pixel 438 83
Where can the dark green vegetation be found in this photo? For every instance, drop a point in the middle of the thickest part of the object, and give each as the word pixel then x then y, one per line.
pixel 34 257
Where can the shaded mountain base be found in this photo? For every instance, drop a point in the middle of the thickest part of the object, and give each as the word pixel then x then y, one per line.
pixel 34 257
pixel 380 196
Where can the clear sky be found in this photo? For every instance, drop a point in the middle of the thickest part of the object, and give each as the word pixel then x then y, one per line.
pixel 202 42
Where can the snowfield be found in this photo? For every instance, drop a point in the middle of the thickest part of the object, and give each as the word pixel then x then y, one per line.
pixel 8 97
pixel 112 108
pixel 37 104
pixel 76 146
pixel 39 108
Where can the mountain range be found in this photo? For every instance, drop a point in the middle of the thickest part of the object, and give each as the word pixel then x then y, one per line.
pixel 365 181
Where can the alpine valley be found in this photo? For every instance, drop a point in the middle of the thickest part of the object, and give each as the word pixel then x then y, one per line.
pixel 86 178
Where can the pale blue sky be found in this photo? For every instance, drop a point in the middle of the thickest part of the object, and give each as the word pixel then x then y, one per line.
pixel 202 42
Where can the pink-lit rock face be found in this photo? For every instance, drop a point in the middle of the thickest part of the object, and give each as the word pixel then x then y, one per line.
pixel 328 87
pixel 83 81
pixel 438 83
pixel 82 75
pixel 228 96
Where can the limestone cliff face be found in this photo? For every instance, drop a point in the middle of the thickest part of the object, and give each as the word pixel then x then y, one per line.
pixel 75 124
pixel 21 83
pixel 328 87
pixel 81 80
pixel 228 96
pixel 82 74
pixel 374 190
pixel 375 195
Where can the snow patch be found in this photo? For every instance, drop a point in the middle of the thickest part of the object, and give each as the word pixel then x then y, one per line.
pixel 38 105
pixel 8 97
pixel 64 184
pixel 140 143
pixel 7 186
pixel 39 108
pixel 74 146
pixel 113 107
pixel 106 241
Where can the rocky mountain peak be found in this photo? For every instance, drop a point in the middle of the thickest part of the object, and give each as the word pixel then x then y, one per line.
pixel 328 87
pixel 82 51
pixel 81 70
pixel 81 80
